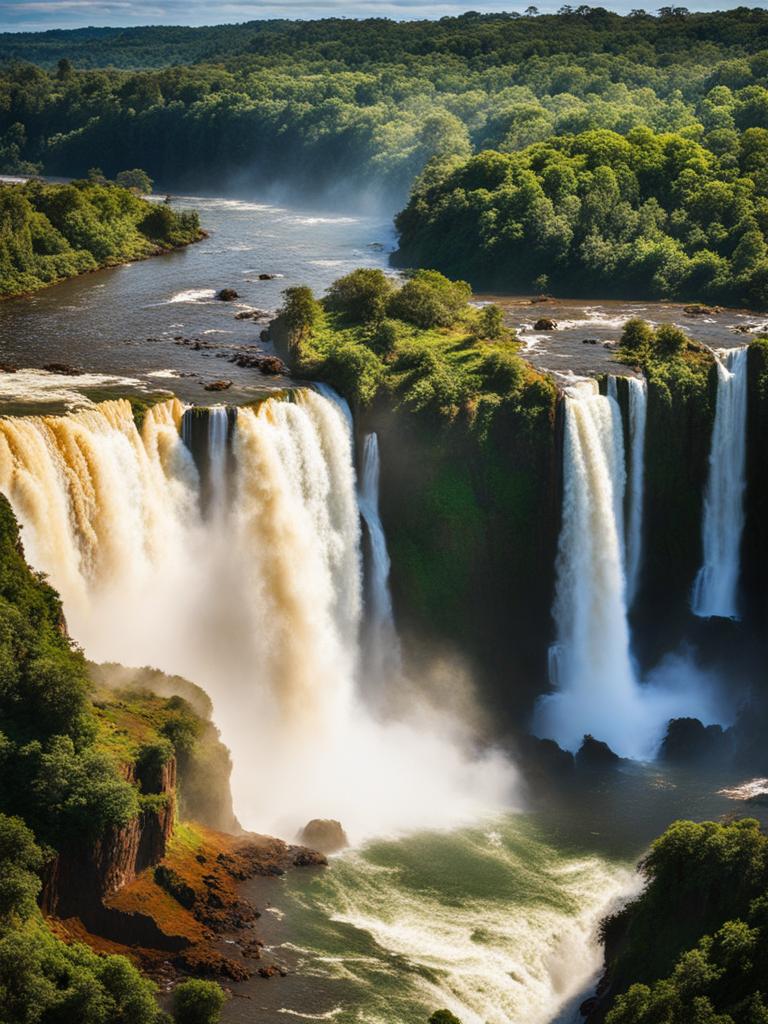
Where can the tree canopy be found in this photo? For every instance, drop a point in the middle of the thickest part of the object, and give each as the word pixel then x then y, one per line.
pixel 641 215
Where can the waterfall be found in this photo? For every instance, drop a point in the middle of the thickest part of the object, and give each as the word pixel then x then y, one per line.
pixel 591 670
pixel 638 407
pixel 257 597
pixel 383 647
pixel 218 435
pixel 715 590
pixel 590 660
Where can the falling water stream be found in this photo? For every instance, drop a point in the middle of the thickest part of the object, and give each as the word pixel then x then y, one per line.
pixel 596 689
pixel 715 591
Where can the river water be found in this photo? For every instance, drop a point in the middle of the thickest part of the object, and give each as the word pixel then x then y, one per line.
pixel 123 326
pixel 496 920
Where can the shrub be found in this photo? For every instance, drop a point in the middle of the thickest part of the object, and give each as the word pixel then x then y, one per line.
pixel 135 179
pixel 490 322
pixel 360 296
pixel 300 311
pixel 430 300
pixel 197 1002
pixel 355 371
pixel 502 370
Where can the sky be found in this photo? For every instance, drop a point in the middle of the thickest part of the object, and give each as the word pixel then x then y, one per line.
pixel 34 15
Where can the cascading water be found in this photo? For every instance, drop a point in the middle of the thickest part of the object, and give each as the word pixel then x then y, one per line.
pixel 590 664
pixel 591 660
pixel 715 591
pixel 382 644
pixel 260 603
pixel 638 408
pixel 218 434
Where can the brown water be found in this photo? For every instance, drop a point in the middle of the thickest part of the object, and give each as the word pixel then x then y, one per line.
pixel 123 325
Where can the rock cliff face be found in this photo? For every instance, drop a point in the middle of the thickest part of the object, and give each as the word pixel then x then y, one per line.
pixel 472 526
pixel 82 876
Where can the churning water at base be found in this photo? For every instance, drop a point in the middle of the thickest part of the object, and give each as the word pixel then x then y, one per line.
pixel 591 668
pixel 261 602
pixel 492 922
pixel 715 591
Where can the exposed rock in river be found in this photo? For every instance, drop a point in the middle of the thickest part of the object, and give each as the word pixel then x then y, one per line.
pixel 324 834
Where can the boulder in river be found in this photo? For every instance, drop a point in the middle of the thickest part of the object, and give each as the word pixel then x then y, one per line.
pixel 324 834
pixel 63 369
pixel 267 277
pixel 545 323
pixel 595 754
pixel 688 739
pixel 699 309
pixel 218 385
pixel 227 295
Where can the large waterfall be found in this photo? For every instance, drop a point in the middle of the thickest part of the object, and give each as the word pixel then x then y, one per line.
pixel 595 685
pixel 234 559
pixel 591 665
pixel 715 591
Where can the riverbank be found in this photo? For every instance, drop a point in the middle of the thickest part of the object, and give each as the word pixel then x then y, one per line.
pixel 55 232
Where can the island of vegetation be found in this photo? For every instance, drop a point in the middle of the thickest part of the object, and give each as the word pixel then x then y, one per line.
pixel 52 232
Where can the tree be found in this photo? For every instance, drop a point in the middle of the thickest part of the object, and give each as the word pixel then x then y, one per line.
pixel 429 299
pixel 637 335
pixel 490 322
pixel 669 340
pixel 444 1017
pixel 300 311
pixel 198 1002
pixel 135 179
pixel 360 296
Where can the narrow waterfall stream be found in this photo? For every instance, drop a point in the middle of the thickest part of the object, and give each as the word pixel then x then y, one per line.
pixel 595 686
pixel 715 591
pixel 638 408
pixel 382 644
pixel 591 663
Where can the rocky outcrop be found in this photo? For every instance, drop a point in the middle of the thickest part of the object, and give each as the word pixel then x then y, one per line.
pixel 80 876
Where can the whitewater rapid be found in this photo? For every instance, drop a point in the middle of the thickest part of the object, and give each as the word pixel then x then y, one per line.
pixel 225 546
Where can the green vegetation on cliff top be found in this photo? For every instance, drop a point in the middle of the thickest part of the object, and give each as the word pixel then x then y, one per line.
pixel 421 343
pixel 693 948
pixel 51 232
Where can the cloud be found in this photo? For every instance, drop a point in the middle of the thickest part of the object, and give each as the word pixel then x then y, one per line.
pixel 31 15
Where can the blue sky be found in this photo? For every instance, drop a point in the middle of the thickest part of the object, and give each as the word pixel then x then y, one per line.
pixel 26 15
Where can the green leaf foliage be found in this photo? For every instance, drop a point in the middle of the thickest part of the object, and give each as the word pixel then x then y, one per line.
pixel 51 232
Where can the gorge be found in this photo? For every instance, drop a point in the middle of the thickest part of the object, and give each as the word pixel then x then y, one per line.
pixel 367 579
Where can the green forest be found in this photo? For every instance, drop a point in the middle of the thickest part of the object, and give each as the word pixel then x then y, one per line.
pixel 641 215
pixel 316 104
pixel 51 232
pixel 693 948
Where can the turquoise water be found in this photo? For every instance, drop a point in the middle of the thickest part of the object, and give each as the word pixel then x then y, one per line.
pixel 493 922
pixel 497 922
